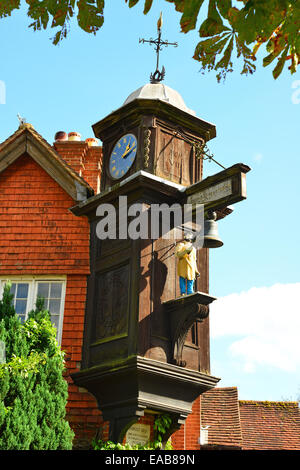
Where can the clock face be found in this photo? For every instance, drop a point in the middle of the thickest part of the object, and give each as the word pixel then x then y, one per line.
pixel 122 156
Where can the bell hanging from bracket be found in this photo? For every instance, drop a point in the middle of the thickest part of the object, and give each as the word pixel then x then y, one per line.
pixel 211 235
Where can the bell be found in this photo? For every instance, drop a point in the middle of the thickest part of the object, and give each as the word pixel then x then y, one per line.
pixel 211 235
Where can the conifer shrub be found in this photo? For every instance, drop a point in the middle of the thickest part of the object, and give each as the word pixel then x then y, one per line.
pixel 33 392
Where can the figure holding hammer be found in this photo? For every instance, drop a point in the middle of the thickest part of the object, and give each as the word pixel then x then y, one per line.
pixel 187 264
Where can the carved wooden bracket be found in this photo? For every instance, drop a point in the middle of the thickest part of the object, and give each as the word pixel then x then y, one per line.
pixel 183 312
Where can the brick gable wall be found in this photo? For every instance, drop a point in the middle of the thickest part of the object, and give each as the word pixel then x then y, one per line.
pixel 40 236
pixel 82 410
pixel 187 437
pixel 85 159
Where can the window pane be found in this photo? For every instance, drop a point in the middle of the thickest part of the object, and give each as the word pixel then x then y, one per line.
pixel 54 306
pixel 20 306
pixel 22 291
pixel 55 291
pixel 55 320
pixel 13 289
pixel 52 293
pixel 43 290
pixel 22 318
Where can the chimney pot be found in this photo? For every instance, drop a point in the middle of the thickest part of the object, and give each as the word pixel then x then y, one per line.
pixel 74 136
pixel 60 136
pixel 91 141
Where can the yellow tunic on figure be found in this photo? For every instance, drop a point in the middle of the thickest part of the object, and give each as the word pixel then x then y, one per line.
pixel 187 265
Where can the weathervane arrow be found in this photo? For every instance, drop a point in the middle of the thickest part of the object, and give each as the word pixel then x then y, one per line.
pixel 158 75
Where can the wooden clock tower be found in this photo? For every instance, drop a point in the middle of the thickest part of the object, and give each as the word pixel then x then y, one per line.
pixel 146 349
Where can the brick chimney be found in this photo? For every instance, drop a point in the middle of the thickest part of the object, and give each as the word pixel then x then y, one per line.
pixel 85 157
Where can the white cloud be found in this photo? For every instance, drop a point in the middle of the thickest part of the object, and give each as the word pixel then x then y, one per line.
pixel 257 157
pixel 264 324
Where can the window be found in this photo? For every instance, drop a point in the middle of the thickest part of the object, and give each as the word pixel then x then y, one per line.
pixel 52 294
pixel 26 291
pixel 20 293
pixel 195 334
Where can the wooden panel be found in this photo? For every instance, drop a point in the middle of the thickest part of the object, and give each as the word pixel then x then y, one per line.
pixel 145 297
pixel 191 355
pixel 201 283
pixel 203 267
pixel 163 282
pixel 108 247
pixel 173 158
pixel 107 352
pixel 111 313
pixel 196 348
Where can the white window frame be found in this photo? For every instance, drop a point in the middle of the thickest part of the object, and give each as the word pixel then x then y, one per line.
pixel 32 293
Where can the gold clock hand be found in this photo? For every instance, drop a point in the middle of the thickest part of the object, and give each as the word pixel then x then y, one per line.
pixel 127 151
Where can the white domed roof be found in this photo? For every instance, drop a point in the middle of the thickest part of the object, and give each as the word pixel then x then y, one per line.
pixel 159 91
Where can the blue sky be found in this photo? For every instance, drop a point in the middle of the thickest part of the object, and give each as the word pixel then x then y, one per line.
pixel 254 334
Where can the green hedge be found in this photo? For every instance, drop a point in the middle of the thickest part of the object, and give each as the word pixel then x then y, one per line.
pixel 33 392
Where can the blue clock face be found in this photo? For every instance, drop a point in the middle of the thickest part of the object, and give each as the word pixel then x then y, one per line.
pixel 122 156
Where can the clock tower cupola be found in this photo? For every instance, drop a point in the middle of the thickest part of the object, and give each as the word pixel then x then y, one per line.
pixel 154 131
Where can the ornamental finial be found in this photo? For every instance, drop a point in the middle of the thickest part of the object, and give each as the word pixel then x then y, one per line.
pixel 158 75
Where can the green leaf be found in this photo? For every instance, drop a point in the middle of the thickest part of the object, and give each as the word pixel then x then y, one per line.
pixel 213 24
pixel 233 16
pixel 132 3
pixel 280 64
pixel 212 45
pixel 147 6
pixel 224 7
pixel 190 15
pixel 211 27
pixel 90 17
pixel 179 4
pixel 7 7
pixel 225 60
pixel 269 59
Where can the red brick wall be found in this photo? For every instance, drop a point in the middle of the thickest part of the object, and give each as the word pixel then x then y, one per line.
pixel 93 167
pixel 73 153
pixel 39 235
pixel 186 438
pixel 82 411
pixel 86 160
pixel 178 439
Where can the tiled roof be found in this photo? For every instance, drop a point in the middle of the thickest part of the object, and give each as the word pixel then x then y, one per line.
pixel 220 411
pixel 270 425
pixel 249 425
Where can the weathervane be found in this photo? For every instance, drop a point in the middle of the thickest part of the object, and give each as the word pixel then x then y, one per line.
pixel 158 75
pixel 21 120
